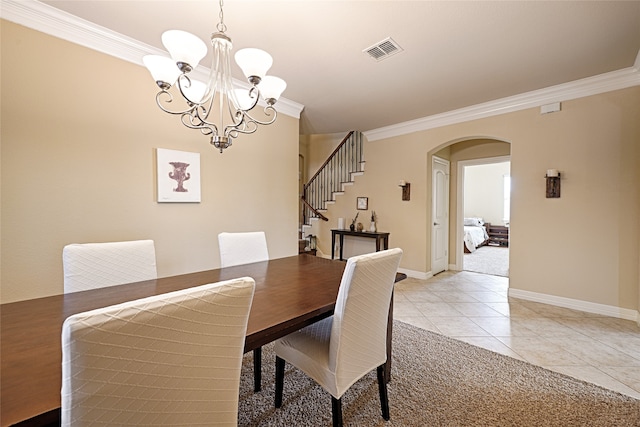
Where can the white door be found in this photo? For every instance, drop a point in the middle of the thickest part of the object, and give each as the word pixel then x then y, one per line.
pixel 440 216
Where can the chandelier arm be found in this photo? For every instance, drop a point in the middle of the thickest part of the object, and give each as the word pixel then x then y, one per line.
pixel 246 127
pixel 254 95
pixel 267 111
pixel 183 78
pixel 201 112
pixel 232 134
pixel 238 115
pixel 247 124
pixel 187 120
pixel 159 101
pixel 192 120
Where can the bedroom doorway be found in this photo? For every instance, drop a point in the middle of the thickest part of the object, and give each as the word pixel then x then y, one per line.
pixel 485 195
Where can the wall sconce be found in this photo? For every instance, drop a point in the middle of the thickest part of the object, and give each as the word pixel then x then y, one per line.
pixel 406 190
pixel 553 183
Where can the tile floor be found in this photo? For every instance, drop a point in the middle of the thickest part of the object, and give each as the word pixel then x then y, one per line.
pixel 475 308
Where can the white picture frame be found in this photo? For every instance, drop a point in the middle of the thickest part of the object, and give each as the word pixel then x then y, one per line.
pixel 178 176
pixel 362 203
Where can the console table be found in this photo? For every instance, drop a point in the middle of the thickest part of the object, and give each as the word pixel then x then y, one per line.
pixel 382 239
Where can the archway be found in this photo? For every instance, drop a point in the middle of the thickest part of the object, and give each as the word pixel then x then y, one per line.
pixel 473 148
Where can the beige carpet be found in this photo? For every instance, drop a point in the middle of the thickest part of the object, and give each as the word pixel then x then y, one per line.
pixel 492 260
pixel 439 381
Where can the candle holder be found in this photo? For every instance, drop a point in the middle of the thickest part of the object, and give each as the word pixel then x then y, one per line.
pixel 553 184
pixel 406 190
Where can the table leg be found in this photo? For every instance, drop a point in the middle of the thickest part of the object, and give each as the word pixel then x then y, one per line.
pixel 333 244
pixel 257 369
pixel 341 245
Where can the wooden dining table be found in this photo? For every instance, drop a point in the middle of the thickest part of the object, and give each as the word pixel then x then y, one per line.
pixel 290 293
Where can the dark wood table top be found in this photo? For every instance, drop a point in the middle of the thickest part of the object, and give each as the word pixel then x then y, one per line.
pixel 363 233
pixel 290 293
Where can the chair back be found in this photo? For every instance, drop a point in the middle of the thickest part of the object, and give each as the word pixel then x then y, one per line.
pixel 359 329
pixel 97 265
pixel 170 359
pixel 242 248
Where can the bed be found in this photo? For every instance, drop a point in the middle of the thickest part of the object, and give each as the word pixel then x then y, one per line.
pixel 475 234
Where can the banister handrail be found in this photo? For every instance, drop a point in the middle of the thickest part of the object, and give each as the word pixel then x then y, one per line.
pixel 315 211
pixel 331 156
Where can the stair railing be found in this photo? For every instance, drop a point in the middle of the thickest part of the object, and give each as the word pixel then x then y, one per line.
pixel 345 160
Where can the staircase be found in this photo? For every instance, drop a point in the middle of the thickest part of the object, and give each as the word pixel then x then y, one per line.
pixel 338 171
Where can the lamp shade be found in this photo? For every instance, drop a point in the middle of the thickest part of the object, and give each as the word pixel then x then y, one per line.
pixel 184 47
pixel 253 62
pixel 162 69
pixel 271 88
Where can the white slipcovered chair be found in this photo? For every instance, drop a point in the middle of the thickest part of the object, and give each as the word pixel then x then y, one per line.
pixel 96 265
pixel 245 248
pixel 242 248
pixel 339 350
pixel 172 359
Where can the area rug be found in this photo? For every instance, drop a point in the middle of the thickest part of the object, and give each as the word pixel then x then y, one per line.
pixel 439 381
pixel 488 260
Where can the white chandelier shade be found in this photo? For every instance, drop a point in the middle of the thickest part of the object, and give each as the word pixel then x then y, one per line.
pixel 272 87
pixel 253 62
pixel 162 69
pixel 233 105
pixel 184 47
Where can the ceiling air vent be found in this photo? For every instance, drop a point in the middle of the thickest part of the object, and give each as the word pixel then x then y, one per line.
pixel 384 49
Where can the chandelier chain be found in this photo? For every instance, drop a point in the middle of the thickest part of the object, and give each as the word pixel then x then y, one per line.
pixel 221 25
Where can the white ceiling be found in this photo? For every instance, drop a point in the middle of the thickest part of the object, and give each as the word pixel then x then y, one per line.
pixel 456 54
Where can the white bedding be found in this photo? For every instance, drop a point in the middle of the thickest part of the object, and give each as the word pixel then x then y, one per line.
pixel 474 236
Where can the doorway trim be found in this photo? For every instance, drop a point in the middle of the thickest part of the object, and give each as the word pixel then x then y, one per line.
pixel 460 202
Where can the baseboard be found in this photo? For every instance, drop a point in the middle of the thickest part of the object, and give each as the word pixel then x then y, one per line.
pixel 410 273
pixel 416 274
pixel 589 307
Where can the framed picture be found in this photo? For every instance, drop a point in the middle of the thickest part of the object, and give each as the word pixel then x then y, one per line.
pixel 178 176
pixel 363 203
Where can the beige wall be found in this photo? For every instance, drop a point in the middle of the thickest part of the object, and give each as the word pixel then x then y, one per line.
pixel 317 148
pixel 79 133
pixel 583 246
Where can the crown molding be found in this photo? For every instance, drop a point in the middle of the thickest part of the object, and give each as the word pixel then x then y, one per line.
pixel 49 20
pixel 601 83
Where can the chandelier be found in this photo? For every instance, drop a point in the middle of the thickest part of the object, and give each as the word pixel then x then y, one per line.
pixel 233 105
